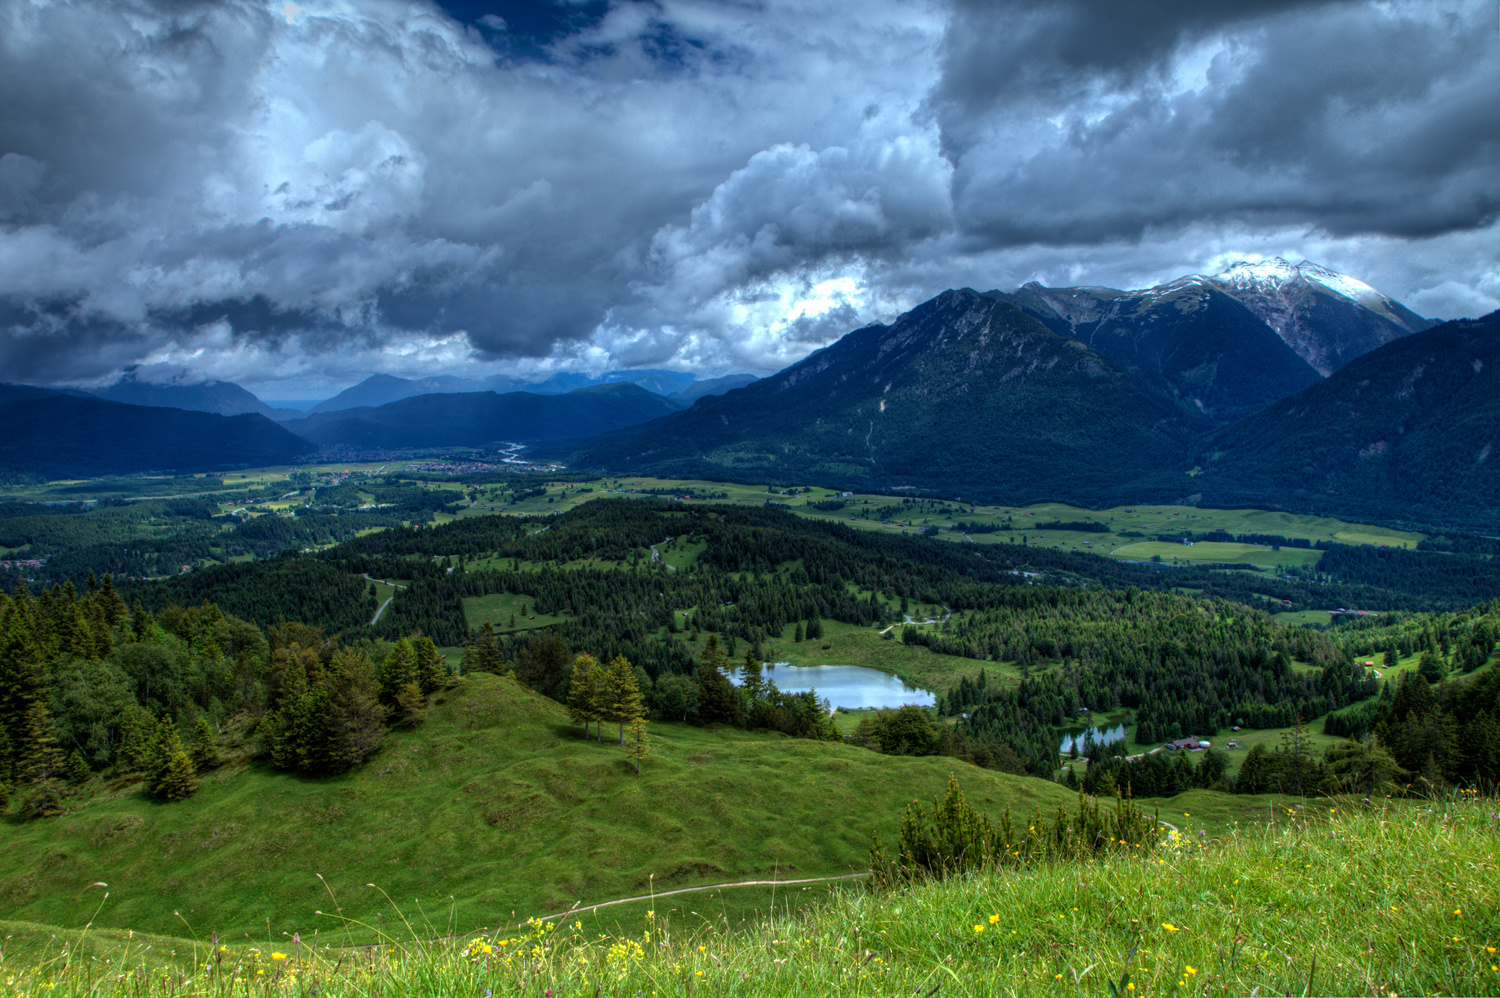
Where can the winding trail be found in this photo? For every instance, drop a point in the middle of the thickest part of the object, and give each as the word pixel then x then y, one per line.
pixel 657 557
pixel 388 599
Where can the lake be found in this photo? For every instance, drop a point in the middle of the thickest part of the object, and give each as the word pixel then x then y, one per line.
pixel 851 686
pixel 1100 735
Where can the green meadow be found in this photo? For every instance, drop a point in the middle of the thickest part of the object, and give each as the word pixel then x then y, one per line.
pixel 496 805
pixel 1338 898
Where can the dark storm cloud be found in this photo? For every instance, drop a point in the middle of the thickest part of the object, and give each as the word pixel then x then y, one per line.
pixel 1076 123
pixel 260 190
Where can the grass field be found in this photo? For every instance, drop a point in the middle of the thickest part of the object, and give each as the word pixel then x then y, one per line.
pixel 496 805
pixel 1332 899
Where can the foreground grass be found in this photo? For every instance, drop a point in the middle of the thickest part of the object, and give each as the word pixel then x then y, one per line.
pixel 1397 899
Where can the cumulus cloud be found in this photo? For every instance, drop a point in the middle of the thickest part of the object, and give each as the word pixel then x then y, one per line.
pixel 302 194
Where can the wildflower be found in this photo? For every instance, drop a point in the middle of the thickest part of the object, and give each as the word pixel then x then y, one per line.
pixel 1189 971
pixel 702 948
pixel 1057 977
pixel 1169 927
pixel 1130 986
pixel 278 956
pixel 1458 911
pixel 1489 949
pixel 978 929
pixel 996 918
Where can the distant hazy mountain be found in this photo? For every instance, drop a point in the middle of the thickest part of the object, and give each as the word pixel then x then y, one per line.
pixel 714 386
pixel 1326 317
pixel 1411 429
pixel 475 418
pixel 1187 340
pixel 965 392
pixel 55 433
pixel 223 397
pixel 381 389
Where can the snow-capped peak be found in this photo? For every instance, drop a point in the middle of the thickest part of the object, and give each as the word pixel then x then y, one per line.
pixel 1274 274
pixel 1275 271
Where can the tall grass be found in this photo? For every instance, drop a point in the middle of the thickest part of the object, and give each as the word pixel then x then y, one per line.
pixel 1342 898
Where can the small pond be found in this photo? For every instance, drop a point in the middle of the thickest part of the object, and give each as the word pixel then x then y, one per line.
pixel 851 686
pixel 1101 736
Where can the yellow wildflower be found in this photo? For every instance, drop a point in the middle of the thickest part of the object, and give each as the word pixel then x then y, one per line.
pixel 1169 927
pixel 996 918
pixel 278 956
pixel 1189 971
pixel 978 928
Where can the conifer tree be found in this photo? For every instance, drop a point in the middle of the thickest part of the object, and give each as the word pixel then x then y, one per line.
pixel 78 768
pixel 432 671
pixel 165 747
pixel 400 669
pixel 636 746
pixel 621 702
pixel 356 718
pixel 205 755
pixel 42 761
pixel 482 654
pixel 178 780
pixel 410 707
pixel 585 692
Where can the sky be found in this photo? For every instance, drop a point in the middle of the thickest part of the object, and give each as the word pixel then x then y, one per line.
pixel 293 196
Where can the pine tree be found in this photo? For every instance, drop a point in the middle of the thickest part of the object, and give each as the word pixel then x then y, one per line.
pixel 42 761
pixel 432 671
pixel 411 706
pixel 178 780
pixel 621 701
pixel 78 768
pixel 205 755
pixel 636 746
pixel 162 757
pixel 482 654
pixel 355 718
pixel 585 692
pixel 798 634
pixel 400 669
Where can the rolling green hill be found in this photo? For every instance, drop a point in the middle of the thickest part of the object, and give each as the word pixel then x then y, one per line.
pixel 497 803
pixel 963 393
pixel 1409 429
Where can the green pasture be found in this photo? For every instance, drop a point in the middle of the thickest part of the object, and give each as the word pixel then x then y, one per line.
pixel 496 805
pixel 1216 552
pixel 498 609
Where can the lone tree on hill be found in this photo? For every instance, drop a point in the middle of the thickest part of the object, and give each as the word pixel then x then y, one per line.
pixel 636 746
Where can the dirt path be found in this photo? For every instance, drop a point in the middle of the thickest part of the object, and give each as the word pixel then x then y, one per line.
pixel 388 599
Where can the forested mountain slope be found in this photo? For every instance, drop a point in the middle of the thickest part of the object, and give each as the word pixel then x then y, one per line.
pixel 1187 340
pixel 63 434
pixel 1410 429
pixel 963 392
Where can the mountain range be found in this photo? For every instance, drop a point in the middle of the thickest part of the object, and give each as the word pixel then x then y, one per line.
pixel 1202 389
pixel 475 418
pixel 381 389
pixel 1269 383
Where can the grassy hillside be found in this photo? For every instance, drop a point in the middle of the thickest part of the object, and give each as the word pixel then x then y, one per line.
pixel 1336 899
pixel 497 803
